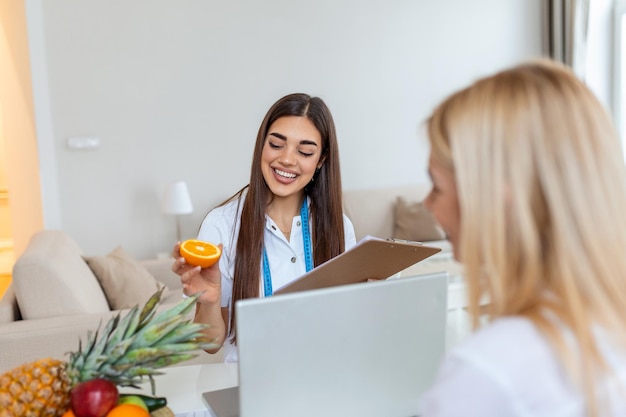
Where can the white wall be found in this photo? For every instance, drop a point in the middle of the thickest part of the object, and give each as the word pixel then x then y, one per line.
pixel 177 89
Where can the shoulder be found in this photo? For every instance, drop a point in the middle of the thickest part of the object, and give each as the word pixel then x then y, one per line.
pixel 497 370
pixel 221 221
pixel 347 224
pixel 229 210
pixel 506 346
pixel 348 231
pixel 507 368
pixel 494 336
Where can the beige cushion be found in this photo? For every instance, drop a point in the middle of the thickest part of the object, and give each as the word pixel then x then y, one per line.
pixel 371 210
pixel 51 279
pixel 412 221
pixel 125 282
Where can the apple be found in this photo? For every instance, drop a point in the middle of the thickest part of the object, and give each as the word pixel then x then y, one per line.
pixel 94 398
pixel 133 399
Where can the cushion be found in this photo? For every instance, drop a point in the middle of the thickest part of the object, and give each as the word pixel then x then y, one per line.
pixel 371 209
pixel 412 221
pixel 51 279
pixel 125 282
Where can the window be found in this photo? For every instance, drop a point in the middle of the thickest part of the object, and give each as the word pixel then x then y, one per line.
pixel 619 70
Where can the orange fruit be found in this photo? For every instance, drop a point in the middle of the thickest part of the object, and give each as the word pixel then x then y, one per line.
pixel 128 410
pixel 199 253
pixel 69 413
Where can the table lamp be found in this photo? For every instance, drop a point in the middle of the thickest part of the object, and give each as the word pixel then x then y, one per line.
pixel 177 202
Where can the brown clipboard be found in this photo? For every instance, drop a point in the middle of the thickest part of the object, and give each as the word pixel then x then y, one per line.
pixel 370 258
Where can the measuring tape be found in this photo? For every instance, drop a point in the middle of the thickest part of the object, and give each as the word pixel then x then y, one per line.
pixel 308 250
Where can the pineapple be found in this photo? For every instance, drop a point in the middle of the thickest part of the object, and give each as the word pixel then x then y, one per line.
pixel 129 349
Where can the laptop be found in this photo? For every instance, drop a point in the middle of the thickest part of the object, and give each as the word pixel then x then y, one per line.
pixel 368 349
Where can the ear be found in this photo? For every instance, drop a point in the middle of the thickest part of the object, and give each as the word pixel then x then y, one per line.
pixel 321 162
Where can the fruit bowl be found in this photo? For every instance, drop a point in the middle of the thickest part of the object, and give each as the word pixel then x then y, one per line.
pixel 128 351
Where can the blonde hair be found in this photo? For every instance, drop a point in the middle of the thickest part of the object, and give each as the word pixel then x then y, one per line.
pixel 540 173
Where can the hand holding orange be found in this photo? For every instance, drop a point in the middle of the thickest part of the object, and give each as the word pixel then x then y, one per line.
pixel 199 253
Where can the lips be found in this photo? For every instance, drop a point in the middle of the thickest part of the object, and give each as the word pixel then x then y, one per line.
pixel 284 174
pixel 284 177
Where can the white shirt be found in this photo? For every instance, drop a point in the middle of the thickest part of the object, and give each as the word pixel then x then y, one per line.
pixel 508 369
pixel 286 257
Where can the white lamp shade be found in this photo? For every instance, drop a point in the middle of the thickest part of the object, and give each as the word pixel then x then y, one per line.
pixel 177 200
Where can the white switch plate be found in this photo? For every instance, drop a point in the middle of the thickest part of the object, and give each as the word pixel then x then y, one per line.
pixel 83 142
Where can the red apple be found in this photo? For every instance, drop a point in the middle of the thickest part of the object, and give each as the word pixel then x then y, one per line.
pixel 94 398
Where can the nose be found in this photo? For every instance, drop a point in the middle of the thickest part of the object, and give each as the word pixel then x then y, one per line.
pixel 287 157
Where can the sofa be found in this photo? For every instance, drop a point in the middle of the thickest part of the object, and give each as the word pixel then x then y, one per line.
pixel 55 297
pixel 58 294
pixel 397 212
pixel 394 212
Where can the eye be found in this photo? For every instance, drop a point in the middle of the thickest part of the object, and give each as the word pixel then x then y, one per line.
pixel 274 145
pixel 307 151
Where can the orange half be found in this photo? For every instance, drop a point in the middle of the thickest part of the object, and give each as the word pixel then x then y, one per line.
pixel 199 253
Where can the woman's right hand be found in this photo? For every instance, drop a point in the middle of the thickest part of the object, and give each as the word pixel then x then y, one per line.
pixel 196 279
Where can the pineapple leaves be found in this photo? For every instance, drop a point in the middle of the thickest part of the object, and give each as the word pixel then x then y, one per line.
pixel 137 345
pixel 150 307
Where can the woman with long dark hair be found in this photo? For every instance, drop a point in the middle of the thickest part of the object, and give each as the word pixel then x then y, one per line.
pixel 286 221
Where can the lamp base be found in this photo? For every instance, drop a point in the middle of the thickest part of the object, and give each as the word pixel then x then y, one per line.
pixel 178 238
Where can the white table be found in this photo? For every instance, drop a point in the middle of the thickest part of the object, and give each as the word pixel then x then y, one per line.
pixel 183 386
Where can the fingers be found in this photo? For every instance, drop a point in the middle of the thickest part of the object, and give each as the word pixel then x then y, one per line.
pixel 179 261
pixel 176 250
pixel 178 264
pixel 189 273
pixel 188 280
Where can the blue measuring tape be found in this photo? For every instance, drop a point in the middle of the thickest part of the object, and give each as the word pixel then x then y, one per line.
pixel 308 250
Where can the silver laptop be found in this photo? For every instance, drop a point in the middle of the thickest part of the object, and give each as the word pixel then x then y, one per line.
pixel 367 349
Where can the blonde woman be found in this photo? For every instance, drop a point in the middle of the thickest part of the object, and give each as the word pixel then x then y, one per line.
pixel 529 184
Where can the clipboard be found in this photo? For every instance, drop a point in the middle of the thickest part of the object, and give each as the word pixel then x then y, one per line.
pixel 370 258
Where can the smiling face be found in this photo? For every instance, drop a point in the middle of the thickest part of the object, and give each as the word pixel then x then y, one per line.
pixel 443 203
pixel 291 154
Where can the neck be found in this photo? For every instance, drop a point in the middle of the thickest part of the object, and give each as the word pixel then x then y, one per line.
pixel 283 209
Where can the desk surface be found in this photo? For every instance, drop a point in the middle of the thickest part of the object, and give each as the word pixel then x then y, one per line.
pixel 183 385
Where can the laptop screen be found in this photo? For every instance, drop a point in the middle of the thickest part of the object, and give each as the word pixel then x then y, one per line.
pixel 366 349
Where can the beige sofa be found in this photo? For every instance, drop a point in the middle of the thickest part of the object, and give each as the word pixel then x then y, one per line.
pixel 55 299
pixel 373 211
pixel 61 299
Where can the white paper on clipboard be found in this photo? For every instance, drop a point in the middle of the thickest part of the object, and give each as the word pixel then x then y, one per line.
pixel 370 258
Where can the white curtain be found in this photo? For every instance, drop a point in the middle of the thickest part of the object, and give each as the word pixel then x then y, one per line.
pixel 566 32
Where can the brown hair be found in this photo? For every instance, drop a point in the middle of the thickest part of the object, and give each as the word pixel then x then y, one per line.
pixel 324 192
